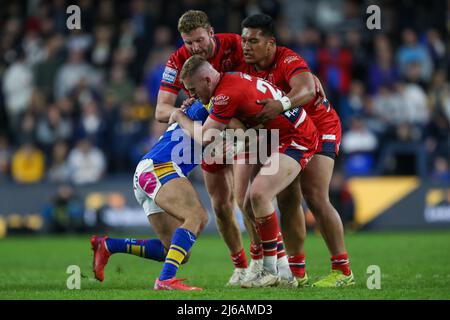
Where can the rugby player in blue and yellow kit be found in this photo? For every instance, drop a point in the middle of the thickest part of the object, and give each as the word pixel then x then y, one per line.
pixel 170 202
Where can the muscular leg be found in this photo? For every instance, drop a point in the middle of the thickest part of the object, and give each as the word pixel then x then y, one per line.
pixel 292 218
pixel 220 189
pixel 164 226
pixel 179 199
pixel 263 189
pixel 243 173
pixel 315 181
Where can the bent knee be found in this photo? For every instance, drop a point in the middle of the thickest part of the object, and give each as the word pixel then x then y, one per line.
pixel 315 195
pixel 223 209
pixel 257 196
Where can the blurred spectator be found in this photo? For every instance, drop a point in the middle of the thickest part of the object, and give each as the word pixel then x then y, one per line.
pixel 156 61
pixel 439 94
pixel 28 164
pixel 436 47
pixel 437 134
pixel 155 130
pixel 71 73
pixel 359 145
pixel 126 133
pixel 355 43
pixel 45 71
pixel 27 132
pixel 52 127
pixel 38 103
pixel 335 68
pixel 5 157
pixel 441 171
pixel 17 88
pixel 86 163
pixel 142 110
pixel 106 12
pixel 101 54
pixel 382 70
pixel 58 171
pixel 378 125
pixel 120 86
pixel 414 104
pixel 413 53
pixel 32 45
pixel 353 103
pixel 59 16
pixel 403 154
pixel 307 45
pixel 358 138
pixel 388 105
pixel 155 69
pixel 140 19
pixel 91 123
pixel 65 211
pixel 79 41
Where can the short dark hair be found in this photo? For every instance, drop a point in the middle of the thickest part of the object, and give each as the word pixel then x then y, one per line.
pixel 263 22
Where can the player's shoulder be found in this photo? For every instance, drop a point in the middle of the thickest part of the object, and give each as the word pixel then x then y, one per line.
pixel 228 36
pixel 287 56
pixel 227 88
pixel 229 39
pixel 232 79
pixel 178 57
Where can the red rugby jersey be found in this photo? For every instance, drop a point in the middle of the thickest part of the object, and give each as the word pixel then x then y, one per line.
pixel 236 95
pixel 227 56
pixel 285 65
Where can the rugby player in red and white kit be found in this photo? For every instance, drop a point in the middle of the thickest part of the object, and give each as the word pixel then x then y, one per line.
pixel 234 95
pixel 224 52
pixel 288 71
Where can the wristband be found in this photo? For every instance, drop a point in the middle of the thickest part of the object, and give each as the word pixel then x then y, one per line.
pixel 285 102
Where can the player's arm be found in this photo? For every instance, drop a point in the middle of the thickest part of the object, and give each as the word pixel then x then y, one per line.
pixel 303 90
pixel 202 134
pixel 165 105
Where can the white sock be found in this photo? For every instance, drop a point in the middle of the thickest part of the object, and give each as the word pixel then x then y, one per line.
pixel 255 264
pixel 270 264
pixel 283 268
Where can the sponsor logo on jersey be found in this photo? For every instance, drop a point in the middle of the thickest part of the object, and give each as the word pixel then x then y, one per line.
pixel 169 75
pixel 289 59
pixel 221 100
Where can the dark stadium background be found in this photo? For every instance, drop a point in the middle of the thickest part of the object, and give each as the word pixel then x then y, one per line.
pixel 97 87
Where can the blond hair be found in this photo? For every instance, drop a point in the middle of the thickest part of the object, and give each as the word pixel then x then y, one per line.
pixel 191 66
pixel 193 19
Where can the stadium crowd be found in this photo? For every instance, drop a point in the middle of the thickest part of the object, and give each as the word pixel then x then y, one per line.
pixel 76 105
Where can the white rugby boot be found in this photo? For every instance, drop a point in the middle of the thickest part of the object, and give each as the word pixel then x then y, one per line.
pixel 237 277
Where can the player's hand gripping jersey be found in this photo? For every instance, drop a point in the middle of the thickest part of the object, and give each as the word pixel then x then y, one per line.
pixel 236 95
pixel 227 57
pixel 287 64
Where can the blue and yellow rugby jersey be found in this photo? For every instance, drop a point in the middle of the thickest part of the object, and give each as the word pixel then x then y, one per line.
pixel 174 140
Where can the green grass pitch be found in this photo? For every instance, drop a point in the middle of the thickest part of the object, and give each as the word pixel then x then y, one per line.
pixel 414 265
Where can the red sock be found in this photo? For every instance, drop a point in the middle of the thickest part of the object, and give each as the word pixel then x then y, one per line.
pixel 280 247
pixel 268 232
pixel 239 259
pixel 341 262
pixel 297 264
pixel 256 251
